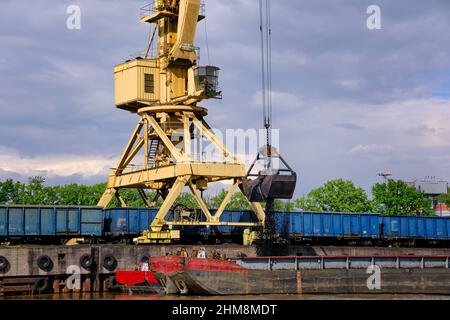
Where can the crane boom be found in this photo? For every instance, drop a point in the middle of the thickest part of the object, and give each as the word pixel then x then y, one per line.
pixel 188 15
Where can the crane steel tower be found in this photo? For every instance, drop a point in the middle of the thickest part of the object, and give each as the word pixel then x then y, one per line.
pixel 164 91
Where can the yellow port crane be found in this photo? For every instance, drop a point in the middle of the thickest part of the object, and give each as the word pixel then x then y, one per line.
pixel 164 91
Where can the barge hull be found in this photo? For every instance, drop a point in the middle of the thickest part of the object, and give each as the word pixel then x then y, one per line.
pixel 332 281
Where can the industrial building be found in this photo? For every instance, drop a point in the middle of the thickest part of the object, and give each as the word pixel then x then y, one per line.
pixel 432 189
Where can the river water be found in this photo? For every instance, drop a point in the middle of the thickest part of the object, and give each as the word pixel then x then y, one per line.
pixel 116 296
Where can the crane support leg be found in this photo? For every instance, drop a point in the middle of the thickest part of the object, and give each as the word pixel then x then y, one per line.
pixel 174 192
pixel 157 234
pixel 226 200
pixel 256 207
pixel 107 197
pixel 200 202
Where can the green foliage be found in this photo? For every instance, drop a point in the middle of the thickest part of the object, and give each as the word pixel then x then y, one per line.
pixel 10 192
pixel 397 198
pixel 187 200
pixel 445 198
pixel 335 196
pixel 35 192
pixel 392 197
pixel 282 205
pixel 237 201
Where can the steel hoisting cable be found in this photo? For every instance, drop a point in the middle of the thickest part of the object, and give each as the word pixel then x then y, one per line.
pixel 269 59
pixel 266 65
pixel 207 43
pixel 263 73
pixel 151 41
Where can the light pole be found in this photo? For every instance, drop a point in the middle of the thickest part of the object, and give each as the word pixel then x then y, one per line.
pixel 385 175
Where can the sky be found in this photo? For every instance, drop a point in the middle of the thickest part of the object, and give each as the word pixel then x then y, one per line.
pixel 348 101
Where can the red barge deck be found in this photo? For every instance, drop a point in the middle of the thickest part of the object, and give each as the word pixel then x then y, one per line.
pixel 298 275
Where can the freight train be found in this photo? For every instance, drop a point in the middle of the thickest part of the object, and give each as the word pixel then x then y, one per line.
pixel 54 225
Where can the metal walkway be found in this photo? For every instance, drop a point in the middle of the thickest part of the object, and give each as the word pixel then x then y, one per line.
pixel 343 262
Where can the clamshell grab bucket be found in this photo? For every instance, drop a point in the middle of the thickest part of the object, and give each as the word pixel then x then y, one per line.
pixel 274 186
pixel 269 183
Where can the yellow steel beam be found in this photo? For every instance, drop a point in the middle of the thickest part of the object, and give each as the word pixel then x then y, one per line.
pixel 212 137
pixel 225 171
pixel 120 199
pixel 213 223
pixel 186 28
pixel 226 200
pixel 134 136
pixel 214 171
pixel 131 155
pixel 162 135
pixel 200 202
pixel 146 146
pixel 174 192
pixel 258 210
pixel 106 197
pixel 186 138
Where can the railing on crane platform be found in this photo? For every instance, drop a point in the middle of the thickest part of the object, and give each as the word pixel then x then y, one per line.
pixel 167 6
pixel 153 53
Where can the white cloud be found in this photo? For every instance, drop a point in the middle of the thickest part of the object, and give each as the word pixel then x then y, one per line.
pixel 54 165
pixel 350 84
pixel 327 70
pixel 371 149
pixel 281 101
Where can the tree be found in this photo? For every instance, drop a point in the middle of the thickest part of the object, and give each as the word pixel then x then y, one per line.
pixel 237 201
pixel 10 191
pixel 445 198
pixel 34 192
pixel 281 205
pixel 187 200
pixel 396 197
pixel 335 196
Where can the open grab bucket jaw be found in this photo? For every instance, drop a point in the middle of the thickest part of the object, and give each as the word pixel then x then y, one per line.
pixel 269 183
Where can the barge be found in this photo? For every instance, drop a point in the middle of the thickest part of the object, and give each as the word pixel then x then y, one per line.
pixel 303 275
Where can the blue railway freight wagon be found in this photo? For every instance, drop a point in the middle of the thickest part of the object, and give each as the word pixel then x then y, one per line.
pixel 127 221
pixel 51 224
pixel 327 225
pixel 40 221
pixel 415 227
pixel 361 226
pixel 131 222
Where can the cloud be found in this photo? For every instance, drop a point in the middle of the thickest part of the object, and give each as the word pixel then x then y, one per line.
pixel 422 131
pixel 337 86
pixel 370 150
pixel 281 102
pixel 54 165
pixel 349 126
pixel 350 84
